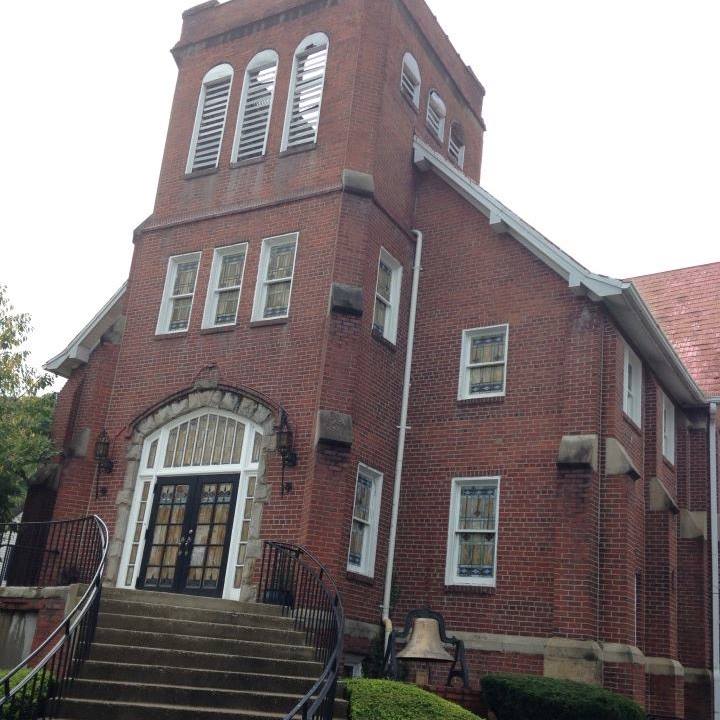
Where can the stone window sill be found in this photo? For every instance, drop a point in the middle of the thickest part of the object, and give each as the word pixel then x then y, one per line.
pixel 218 329
pixel 383 340
pixel 267 323
pixel 171 335
pixel 298 149
pixel 201 173
pixel 358 578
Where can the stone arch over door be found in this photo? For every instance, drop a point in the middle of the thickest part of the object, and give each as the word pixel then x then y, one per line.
pixel 245 405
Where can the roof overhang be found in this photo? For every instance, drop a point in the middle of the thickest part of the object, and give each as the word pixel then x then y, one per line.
pixel 621 298
pixel 78 352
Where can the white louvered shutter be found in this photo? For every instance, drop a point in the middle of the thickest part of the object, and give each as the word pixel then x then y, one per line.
pixel 410 82
pixel 456 146
pixel 307 95
pixel 255 121
pixel 436 115
pixel 206 150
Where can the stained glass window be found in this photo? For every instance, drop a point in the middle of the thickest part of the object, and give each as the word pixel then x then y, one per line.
pixel 484 356
pixel 277 283
pixel 245 531
pixel 225 282
pixel 475 530
pixel 137 534
pixel 387 297
pixel 181 295
pixel 363 531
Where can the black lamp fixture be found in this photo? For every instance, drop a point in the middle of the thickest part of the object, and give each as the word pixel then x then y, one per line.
pixel 102 450
pixel 284 446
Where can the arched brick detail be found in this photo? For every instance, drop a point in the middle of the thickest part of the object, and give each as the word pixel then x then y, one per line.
pixel 246 406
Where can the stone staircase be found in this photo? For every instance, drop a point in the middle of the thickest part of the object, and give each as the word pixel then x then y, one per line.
pixel 158 656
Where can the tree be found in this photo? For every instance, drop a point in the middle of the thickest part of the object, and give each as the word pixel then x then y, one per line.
pixel 25 414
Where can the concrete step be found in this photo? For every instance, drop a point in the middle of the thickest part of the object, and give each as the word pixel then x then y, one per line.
pixel 200 628
pixel 202 644
pixel 193 601
pixel 194 677
pixel 250 618
pixel 163 656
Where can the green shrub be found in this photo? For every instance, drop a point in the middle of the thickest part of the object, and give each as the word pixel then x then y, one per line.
pixel 36 692
pixel 530 697
pixel 388 700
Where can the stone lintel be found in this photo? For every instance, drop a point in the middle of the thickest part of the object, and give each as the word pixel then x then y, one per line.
pixel 334 429
pixel 693 524
pixel 358 183
pixel 663 666
pixel 660 498
pixel 346 299
pixel 578 451
pixel 617 460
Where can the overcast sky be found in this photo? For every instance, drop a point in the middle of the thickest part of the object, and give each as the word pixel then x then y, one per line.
pixel 603 132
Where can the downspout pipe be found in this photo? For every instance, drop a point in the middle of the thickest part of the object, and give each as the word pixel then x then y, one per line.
pixel 714 554
pixel 402 431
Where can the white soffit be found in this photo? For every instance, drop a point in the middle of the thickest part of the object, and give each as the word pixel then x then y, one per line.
pixel 621 298
pixel 81 346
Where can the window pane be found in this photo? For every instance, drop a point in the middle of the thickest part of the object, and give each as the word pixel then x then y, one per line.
pixel 384 281
pixel 257 444
pixel 476 555
pixel 231 270
pixel 379 319
pixel 280 263
pixel 227 306
pixel 477 508
pixel 363 495
pixel 185 278
pixel 487 379
pixel 487 349
pixel 278 296
pixel 356 543
pixel 180 315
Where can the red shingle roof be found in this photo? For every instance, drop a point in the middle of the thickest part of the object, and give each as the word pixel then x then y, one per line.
pixel 686 303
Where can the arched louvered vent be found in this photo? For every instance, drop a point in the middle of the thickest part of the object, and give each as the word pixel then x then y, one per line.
pixel 456 144
pixel 210 119
pixel 410 80
pixel 436 113
pixel 256 107
pixel 308 80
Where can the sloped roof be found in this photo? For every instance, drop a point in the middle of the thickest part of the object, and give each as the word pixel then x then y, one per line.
pixel 621 298
pixel 686 302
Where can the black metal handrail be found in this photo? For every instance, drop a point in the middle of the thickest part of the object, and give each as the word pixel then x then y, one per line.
pixel 35 687
pixel 293 578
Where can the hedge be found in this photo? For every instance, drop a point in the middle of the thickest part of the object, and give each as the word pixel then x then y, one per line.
pixel 388 700
pixel 18 709
pixel 530 697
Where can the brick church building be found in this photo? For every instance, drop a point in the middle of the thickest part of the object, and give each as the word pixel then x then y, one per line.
pixel 479 423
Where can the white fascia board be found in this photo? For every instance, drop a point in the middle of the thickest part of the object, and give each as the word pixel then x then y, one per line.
pixel 81 346
pixel 622 299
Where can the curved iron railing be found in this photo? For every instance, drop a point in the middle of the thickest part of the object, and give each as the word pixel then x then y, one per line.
pixel 293 578
pixel 66 552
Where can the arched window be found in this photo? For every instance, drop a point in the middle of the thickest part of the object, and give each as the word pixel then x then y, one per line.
pixel 256 103
pixel 456 144
pixel 306 90
pixel 410 80
pixel 436 112
pixel 210 119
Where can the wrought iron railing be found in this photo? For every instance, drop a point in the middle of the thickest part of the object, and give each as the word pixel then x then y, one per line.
pixel 67 552
pixel 294 579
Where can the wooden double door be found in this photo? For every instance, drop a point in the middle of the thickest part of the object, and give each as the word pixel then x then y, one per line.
pixel 188 537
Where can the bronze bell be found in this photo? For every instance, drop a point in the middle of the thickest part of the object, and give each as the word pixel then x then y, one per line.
pixel 425 643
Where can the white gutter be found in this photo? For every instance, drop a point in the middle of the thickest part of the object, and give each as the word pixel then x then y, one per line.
pixel 402 430
pixel 714 554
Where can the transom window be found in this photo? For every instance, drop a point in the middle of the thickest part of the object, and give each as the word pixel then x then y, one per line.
pixel 473 531
pixel 632 379
pixel 226 276
pixel 178 294
pixel 207 440
pixel 210 119
pixel 256 103
pixel 668 427
pixel 366 511
pixel 387 296
pixel 306 91
pixel 436 113
pixel 275 276
pixel 456 145
pixel 483 362
pixel 410 80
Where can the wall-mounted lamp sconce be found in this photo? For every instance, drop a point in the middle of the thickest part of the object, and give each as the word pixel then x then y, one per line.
pixel 102 450
pixel 284 446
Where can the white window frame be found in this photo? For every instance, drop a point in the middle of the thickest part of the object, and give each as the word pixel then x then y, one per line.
pixel 370 536
pixel 632 397
pixel 436 105
pixel 314 39
pixel 411 70
pixel 458 155
pixel 213 75
pixel 163 323
pixel 667 409
pixel 262 283
pixel 393 308
pixel 451 577
pixel 464 381
pixel 213 291
pixel 264 58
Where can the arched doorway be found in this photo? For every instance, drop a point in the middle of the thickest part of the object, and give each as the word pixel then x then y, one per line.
pixel 192 507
